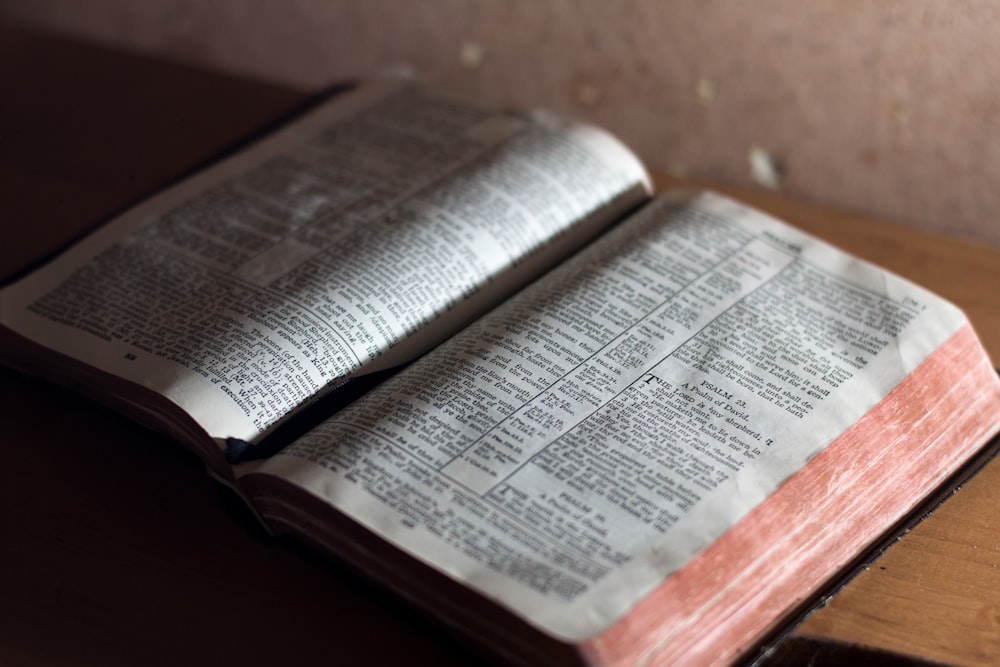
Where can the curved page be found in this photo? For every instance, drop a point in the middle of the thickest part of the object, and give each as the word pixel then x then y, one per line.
pixel 350 241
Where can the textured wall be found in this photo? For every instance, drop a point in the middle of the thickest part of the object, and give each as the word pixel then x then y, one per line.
pixel 891 108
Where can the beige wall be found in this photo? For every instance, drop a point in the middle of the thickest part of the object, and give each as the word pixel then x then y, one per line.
pixel 891 108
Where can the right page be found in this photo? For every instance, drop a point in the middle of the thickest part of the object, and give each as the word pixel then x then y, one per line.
pixel 569 451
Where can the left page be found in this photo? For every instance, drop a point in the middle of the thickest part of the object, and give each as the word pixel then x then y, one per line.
pixel 348 242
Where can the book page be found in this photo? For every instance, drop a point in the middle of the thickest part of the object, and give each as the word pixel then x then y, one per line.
pixel 326 251
pixel 566 453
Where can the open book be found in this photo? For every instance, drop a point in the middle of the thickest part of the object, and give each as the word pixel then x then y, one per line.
pixel 465 350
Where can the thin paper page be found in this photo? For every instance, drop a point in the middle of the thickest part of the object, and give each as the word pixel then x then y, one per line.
pixel 567 452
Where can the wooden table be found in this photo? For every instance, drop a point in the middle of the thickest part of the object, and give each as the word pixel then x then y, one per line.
pixel 115 547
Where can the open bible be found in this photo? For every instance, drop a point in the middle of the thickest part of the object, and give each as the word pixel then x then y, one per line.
pixel 467 351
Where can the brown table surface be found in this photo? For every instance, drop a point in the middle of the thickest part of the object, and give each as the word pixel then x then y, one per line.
pixel 116 548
